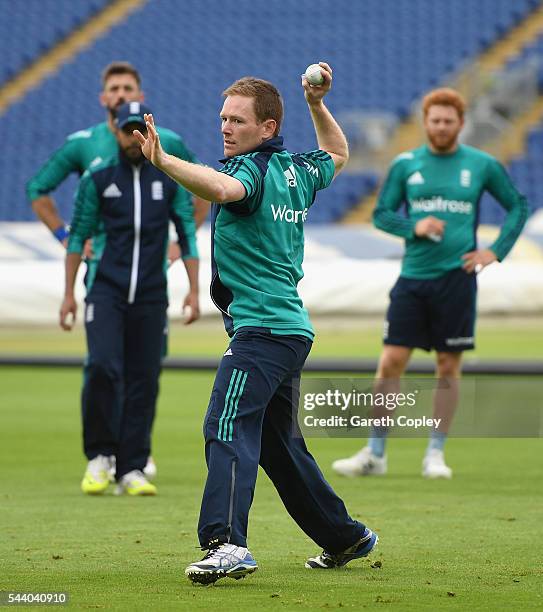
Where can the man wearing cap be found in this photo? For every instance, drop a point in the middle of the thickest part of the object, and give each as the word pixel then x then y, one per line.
pixel 121 83
pixel 126 302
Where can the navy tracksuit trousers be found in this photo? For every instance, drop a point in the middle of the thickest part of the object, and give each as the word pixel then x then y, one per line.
pixel 120 388
pixel 251 420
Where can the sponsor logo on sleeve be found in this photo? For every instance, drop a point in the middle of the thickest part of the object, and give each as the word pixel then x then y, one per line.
pixel 311 169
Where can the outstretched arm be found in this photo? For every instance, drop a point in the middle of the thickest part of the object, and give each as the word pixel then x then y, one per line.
pixel 329 135
pixel 202 181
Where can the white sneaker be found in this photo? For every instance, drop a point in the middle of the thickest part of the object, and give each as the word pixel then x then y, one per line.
pixel 433 465
pixel 112 465
pixel 150 468
pixel 224 561
pixel 135 483
pixel 96 478
pixel 364 463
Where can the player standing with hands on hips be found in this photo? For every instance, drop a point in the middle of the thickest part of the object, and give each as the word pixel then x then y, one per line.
pixel 257 258
pixel 432 304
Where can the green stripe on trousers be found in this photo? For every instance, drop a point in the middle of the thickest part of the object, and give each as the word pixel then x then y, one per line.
pixel 226 402
pixel 240 393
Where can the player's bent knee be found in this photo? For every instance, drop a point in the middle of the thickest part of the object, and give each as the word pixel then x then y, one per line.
pixel 448 365
pixel 393 361
pixel 102 370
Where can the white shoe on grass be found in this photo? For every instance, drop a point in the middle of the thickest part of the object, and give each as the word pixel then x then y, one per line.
pixel 135 483
pixel 112 465
pixel 361 548
pixel 434 466
pixel 223 561
pixel 96 478
pixel 363 463
pixel 150 468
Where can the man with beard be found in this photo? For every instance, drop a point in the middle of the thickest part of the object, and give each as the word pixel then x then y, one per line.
pixel 432 304
pixel 126 302
pixel 121 83
pixel 85 149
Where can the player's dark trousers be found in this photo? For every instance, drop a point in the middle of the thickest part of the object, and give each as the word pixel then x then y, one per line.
pixel 251 419
pixel 121 379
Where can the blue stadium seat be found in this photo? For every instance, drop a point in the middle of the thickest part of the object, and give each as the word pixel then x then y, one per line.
pixel 526 173
pixel 385 55
pixel 30 28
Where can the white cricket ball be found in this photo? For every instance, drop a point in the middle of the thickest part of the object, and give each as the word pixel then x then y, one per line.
pixel 313 75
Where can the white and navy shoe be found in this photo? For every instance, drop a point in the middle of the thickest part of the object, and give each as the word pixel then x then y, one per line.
pixel 223 561
pixel 362 463
pixel 359 549
pixel 434 466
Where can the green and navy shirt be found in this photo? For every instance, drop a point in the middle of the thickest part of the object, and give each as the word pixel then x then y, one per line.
pixel 448 187
pixel 87 148
pixel 134 205
pixel 258 242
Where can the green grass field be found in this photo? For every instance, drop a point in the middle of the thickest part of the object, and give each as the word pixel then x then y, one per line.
pixel 472 543
pixel 497 338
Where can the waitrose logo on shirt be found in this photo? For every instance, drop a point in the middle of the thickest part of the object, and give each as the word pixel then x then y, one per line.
pixel 439 204
pixel 283 213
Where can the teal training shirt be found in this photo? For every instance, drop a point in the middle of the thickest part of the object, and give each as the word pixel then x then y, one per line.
pixel 86 149
pixel 448 187
pixel 258 242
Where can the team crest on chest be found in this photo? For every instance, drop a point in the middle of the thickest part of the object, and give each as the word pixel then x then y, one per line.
pixel 465 178
pixel 157 190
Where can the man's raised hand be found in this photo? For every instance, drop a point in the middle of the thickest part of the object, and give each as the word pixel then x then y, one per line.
pixel 150 145
pixel 315 93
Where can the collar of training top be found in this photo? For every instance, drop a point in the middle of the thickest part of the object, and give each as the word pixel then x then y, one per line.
pixel 273 145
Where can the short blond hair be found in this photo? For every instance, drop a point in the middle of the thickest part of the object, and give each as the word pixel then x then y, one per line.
pixel 267 99
pixel 444 96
